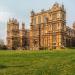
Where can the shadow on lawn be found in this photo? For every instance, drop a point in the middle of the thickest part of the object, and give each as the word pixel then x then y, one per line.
pixel 2 66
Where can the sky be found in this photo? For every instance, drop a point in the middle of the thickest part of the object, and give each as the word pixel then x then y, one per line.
pixel 20 10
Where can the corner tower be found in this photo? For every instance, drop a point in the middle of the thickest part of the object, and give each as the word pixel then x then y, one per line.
pixel 22 36
pixel 74 25
pixel 47 28
pixel 12 34
pixel 58 23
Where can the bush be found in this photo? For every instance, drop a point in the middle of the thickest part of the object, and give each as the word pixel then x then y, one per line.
pixel 3 47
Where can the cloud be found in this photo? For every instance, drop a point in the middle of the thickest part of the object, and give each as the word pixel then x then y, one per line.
pixel 4 16
pixel 5 13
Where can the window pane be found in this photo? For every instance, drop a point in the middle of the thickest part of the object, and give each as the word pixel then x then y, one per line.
pixel 39 19
pixel 45 19
pixel 34 20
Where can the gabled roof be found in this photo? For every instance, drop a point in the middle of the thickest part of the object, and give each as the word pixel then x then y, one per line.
pixel 57 7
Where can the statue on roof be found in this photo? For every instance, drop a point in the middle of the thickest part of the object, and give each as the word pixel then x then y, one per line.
pixel 32 13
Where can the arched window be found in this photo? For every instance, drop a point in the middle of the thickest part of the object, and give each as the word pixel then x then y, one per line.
pixel 54 39
pixel 54 27
pixel 34 22
pixel 39 19
pixel 54 16
pixel 45 19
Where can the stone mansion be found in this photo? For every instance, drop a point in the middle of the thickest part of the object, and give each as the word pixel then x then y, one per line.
pixel 48 30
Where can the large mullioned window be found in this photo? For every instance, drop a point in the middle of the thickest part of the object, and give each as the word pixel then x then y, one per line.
pixel 45 19
pixel 34 21
pixel 39 19
pixel 54 39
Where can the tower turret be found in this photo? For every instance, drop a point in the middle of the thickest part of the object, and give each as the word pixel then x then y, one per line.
pixel 23 26
pixel 74 25
pixel 12 34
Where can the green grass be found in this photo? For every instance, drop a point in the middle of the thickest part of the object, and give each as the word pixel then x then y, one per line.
pixel 37 62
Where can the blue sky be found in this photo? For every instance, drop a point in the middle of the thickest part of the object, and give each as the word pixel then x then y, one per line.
pixel 20 9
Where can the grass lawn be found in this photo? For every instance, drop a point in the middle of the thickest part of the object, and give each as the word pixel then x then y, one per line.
pixel 37 62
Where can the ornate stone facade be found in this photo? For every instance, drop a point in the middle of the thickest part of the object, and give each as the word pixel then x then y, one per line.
pixel 16 38
pixel 48 29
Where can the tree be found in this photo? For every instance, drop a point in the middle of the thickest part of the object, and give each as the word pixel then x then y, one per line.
pixel 1 42
pixel 16 44
pixel 2 45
